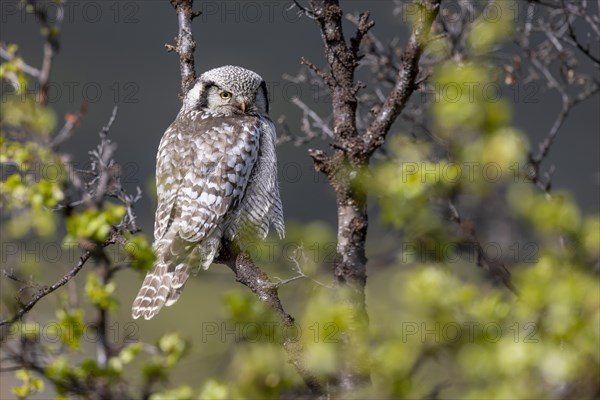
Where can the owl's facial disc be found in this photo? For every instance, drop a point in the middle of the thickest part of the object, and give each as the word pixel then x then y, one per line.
pixel 229 90
pixel 237 103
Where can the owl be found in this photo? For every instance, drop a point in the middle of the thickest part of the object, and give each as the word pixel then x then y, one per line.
pixel 216 178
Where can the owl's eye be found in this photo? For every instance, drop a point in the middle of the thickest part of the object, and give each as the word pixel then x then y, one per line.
pixel 225 95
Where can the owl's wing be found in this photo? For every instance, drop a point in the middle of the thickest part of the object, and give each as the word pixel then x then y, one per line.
pixel 261 205
pixel 168 179
pixel 203 168
pixel 269 174
pixel 222 160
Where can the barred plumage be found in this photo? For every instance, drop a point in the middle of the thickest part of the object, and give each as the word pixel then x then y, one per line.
pixel 216 177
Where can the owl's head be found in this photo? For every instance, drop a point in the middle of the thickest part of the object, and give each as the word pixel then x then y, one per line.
pixel 228 90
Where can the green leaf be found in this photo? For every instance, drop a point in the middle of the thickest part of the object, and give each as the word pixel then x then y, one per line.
pixel 140 250
pixel 30 384
pixel 99 294
pixel 93 223
pixel 72 327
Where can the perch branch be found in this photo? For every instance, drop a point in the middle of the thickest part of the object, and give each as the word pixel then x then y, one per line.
pixel 248 274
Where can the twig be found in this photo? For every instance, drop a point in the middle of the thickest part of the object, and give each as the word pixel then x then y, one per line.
pixel 568 104
pixel 496 268
pixel 298 269
pixel 28 69
pixel 311 120
pixel 302 10
pixel 71 121
pixel 102 164
pixel 46 290
pixel 103 347
pixel 364 24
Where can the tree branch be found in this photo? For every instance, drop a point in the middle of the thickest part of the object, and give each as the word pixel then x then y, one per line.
pixel 405 82
pixel 46 290
pixel 568 103
pixel 51 46
pixel 496 268
pixel 342 61
pixel 248 274
pixel 185 43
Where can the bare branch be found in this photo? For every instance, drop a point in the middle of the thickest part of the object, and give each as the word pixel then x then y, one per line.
pixel 544 146
pixel 342 63
pixel 51 45
pixel 324 76
pixel 46 290
pixel 71 122
pixel 185 43
pixel 102 162
pixel 303 10
pixel 312 123
pixel 364 24
pixel 300 273
pixel 405 82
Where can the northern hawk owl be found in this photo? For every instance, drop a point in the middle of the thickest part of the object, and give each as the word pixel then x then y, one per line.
pixel 216 178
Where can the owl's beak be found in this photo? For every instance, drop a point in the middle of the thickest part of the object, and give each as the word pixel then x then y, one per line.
pixel 243 105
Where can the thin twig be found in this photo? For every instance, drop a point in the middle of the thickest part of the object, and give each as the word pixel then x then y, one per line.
pixel 28 69
pixel 496 268
pixel 46 290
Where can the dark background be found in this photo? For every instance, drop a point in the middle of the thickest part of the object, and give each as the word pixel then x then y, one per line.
pixel 113 53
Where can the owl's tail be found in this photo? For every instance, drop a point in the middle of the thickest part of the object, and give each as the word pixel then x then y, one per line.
pixel 163 285
pixel 154 292
pixel 175 260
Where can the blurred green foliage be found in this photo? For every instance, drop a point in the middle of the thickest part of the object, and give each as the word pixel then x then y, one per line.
pixel 93 223
pixel 139 249
pixel 33 187
pixel 495 25
pixel 100 294
pixel 31 384
pixel 22 111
